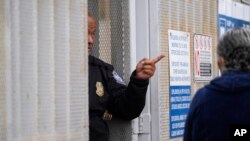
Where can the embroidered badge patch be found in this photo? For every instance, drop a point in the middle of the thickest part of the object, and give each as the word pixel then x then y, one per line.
pixel 99 89
pixel 118 78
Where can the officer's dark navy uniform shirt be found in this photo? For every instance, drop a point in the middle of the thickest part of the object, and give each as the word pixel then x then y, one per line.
pixel 106 92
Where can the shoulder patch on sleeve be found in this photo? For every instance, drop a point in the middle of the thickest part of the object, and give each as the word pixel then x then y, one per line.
pixel 118 78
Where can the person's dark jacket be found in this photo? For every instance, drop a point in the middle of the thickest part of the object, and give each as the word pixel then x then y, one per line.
pixel 106 92
pixel 217 106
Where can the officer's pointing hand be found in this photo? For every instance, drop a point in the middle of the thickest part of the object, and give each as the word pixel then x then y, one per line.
pixel 146 67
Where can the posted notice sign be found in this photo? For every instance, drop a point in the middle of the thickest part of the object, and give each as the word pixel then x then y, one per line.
pixel 202 57
pixel 180 80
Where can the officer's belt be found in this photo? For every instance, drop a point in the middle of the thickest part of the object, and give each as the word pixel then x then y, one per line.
pixel 104 116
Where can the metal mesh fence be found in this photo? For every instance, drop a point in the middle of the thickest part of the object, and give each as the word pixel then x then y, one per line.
pixel 3 132
pixel 112 46
pixel 43 74
pixel 189 16
pixel 112 34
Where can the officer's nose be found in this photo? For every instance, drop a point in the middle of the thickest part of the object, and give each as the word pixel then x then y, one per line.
pixel 90 39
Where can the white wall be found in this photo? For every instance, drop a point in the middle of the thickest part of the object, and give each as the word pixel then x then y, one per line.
pixel 44 76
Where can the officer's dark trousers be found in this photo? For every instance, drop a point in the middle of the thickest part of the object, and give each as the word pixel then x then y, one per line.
pixel 98 129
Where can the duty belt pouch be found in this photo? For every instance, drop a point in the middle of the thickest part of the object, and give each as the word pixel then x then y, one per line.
pixel 106 116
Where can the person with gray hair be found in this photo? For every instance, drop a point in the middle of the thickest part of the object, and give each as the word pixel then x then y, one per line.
pixel 225 101
pixel 234 51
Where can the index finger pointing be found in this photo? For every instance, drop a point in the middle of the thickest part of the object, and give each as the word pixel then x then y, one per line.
pixel 158 58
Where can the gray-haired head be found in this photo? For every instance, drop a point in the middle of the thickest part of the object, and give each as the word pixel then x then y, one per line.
pixel 234 49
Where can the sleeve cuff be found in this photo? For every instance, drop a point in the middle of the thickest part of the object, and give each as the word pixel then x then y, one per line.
pixel 138 82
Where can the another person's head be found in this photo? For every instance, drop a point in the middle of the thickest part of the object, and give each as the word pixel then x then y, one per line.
pixel 234 51
pixel 91 32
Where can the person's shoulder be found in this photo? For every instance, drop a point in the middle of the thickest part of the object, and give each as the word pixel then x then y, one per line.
pixel 100 63
pixel 201 93
pixel 200 96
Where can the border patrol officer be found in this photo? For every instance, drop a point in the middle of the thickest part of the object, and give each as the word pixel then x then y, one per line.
pixel 108 94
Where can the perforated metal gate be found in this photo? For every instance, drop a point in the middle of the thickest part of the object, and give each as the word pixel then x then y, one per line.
pixel 193 16
pixel 43 71
pixel 112 46
pixel 112 35
pixel 3 131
